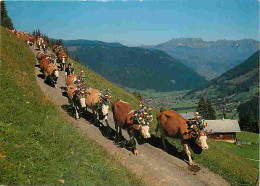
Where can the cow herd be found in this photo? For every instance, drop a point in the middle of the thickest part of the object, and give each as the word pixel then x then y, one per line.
pixel 170 123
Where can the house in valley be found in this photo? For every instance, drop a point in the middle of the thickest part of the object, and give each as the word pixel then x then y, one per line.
pixel 221 129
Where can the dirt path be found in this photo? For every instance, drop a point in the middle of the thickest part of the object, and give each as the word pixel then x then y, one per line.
pixel 153 165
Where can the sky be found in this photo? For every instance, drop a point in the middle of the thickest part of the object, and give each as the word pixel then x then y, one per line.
pixel 138 22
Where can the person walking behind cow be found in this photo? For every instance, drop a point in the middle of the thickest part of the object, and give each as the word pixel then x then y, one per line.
pixel 69 70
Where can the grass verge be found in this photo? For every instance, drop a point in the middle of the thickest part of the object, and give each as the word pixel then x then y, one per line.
pixel 38 147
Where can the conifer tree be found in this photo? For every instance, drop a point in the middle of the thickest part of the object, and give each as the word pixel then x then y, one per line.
pixel 205 109
pixel 5 19
pixel 201 109
pixel 210 113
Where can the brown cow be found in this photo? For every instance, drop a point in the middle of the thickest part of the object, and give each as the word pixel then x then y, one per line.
pixel 77 98
pixel 172 124
pixel 39 55
pixel 122 114
pixel 93 100
pixel 52 72
pixel 62 58
pixel 45 46
pixel 73 78
pixel 54 47
pixel 43 66
pixel 39 42
pixel 31 40
pixel 56 51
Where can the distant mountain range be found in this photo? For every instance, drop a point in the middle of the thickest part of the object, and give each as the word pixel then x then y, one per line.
pixel 241 80
pixel 134 67
pixel 209 59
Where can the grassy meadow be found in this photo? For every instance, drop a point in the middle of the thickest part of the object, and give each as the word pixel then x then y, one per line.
pixel 38 146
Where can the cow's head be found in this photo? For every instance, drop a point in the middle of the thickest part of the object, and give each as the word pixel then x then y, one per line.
pixel 201 141
pixel 103 109
pixel 141 128
pixel 80 97
pixel 144 131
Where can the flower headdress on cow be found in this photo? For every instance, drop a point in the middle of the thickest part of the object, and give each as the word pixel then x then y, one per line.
pixel 143 116
pixel 105 96
pixel 81 91
pixel 80 78
pixel 198 124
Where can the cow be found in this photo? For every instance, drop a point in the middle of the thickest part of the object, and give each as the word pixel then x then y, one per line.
pixel 52 72
pixel 94 102
pixel 43 66
pixel 39 42
pixel 54 47
pixel 75 78
pixel 77 98
pixel 62 58
pixel 31 40
pixel 56 51
pixel 123 114
pixel 172 124
pixel 39 55
pixel 45 46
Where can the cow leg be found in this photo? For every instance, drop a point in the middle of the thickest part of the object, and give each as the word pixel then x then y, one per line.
pixel 119 134
pixel 133 143
pixel 76 112
pixel 106 120
pixel 163 135
pixel 186 148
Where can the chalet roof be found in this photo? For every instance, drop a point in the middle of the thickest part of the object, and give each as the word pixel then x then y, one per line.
pixel 222 126
pixel 217 126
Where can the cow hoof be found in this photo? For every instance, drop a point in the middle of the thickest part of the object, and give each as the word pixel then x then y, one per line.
pixel 135 152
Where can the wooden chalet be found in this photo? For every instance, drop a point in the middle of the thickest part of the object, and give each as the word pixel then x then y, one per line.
pixel 219 130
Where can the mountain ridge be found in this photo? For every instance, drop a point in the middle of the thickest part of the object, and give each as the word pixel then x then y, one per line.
pixel 135 67
pixel 209 58
pixel 241 79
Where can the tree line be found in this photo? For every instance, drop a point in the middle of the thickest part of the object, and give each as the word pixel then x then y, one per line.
pixel 5 19
pixel 249 115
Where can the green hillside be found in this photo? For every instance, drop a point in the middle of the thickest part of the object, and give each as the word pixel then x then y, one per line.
pixel 135 67
pixel 239 83
pixel 38 145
